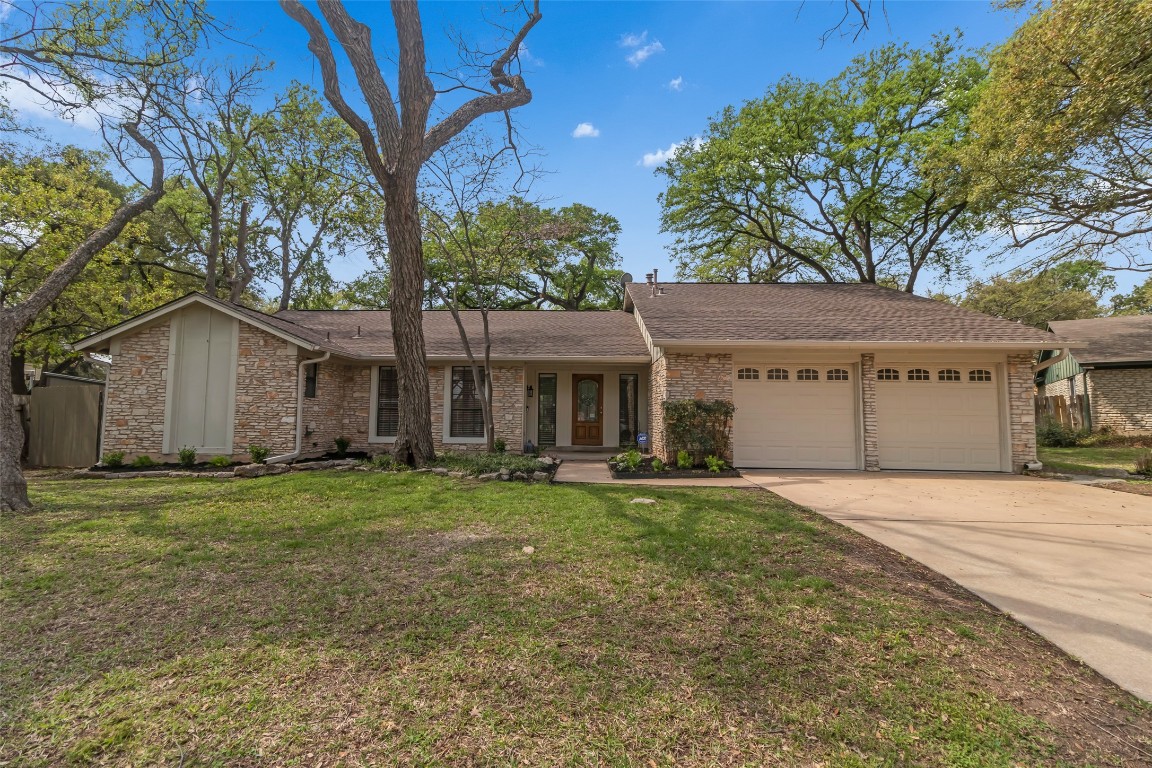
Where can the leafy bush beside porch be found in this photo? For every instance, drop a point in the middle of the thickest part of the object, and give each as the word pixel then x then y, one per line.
pixel 701 427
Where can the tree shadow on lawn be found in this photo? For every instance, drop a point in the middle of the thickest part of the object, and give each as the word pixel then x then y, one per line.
pixel 398 619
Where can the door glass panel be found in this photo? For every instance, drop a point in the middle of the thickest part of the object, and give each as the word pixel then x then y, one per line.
pixel 546 431
pixel 588 401
pixel 628 408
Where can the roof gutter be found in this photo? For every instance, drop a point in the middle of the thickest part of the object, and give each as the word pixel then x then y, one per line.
pixel 299 409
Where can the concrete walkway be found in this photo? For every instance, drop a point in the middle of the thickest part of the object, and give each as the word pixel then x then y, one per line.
pixel 596 471
pixel 1074 563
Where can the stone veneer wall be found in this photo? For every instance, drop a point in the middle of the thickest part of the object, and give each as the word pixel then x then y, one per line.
pixel 868 409
pixel 683 376
pixel 135 393
pixel 324 414
pixel 1021 409
pixel 1121 399
pixel 266 386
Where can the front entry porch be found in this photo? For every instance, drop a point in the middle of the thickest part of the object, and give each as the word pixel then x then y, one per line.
pixel 594 408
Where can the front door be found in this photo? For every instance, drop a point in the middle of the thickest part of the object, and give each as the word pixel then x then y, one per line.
pixel 587 409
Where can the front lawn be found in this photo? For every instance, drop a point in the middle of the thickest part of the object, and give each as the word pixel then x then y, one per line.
pixel 1089 459
pixel 352 618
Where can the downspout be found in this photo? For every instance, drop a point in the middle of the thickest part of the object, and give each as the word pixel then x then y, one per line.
pixel 1061 355
pixel 299 409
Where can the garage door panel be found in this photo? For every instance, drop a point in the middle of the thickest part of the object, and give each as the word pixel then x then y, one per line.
pixel 795 424
pixel 939 424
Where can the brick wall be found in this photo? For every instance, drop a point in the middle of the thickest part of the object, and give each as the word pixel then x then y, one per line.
pixel 266 385
pixel 868 410
pixel 1121 399
pixel 682 376
pixel 324 414
pixel 1021 409
pixel 134 398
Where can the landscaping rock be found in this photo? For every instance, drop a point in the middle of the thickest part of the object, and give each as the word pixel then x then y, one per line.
pixel 220 474
pixel 487 476
pixel 344 462
pixel 441 471
pixel 643 501
pixel 457 474
pixel 528 550
pixel 541 477
pixel 260 470
pixel 180 473
pixel 505 475
pixel 519 476
pixel 547 461
pixel 1111 472
pixel 305 466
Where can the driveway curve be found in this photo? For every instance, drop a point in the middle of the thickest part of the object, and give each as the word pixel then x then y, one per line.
pixel 1071 562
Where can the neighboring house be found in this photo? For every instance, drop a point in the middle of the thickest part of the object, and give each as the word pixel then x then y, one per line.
pixel 823 376
pixel 1113 370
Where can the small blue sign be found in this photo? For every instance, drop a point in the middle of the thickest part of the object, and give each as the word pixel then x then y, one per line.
pixel 642 438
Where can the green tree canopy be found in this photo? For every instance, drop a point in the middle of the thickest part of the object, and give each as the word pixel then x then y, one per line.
pixel 1138 302
pixel 1067 291
pixel 1062 132
pixel 843 180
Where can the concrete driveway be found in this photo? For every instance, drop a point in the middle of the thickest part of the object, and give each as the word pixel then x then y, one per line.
pixel 1071 562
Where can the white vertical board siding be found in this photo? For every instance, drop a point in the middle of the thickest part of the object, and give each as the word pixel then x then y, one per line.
pixel 204 373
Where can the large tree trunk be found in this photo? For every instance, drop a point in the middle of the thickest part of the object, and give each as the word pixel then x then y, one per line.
pixel 13 488
pixel 413 444
pixel 13 320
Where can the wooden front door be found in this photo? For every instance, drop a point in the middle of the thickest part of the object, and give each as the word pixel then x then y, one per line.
pixel 587 409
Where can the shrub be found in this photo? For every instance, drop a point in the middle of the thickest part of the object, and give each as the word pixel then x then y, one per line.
pixel 631 460
pixel 220 461
pixel 259 453
pixel 701 427
pixel 476 463
pixel 657 465
pixel 113 459
pixel 499 445
pixel 382 461
pixel 143 461
pixel 715 464
pixel 187 456
pixel 1053 434
pixel 683 460
pixel 342 444
pixel 1144 464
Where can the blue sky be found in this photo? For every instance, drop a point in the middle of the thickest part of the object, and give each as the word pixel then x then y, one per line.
pixel 638 76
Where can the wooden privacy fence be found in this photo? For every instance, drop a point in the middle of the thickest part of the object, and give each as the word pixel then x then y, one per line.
pixel 1068 411
pixel 64 428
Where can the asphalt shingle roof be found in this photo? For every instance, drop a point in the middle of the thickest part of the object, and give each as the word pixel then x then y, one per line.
pixel 1109 340
pixel 811 312
pixel 515 334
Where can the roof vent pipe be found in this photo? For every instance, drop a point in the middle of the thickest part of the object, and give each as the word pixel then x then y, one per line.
pixel 357 333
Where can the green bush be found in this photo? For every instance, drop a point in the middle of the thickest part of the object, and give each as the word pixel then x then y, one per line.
pixel 1144 464
pixel 187 456
pixel 383 461
pixel 259 453
pixel 1053 434
pixel 476 463
pixel 631 460
pixel 701 427
pixel 342 444
pixel 113 459
pixel 220 461
pixel 715 464
pixel 657 465
pixel 683 460
pixel 499 445
pixel 143 461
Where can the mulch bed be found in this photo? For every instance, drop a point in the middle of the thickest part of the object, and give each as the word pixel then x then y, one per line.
pixel 645 471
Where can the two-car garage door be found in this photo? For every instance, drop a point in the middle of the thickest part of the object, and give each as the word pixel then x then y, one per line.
pixel 795 416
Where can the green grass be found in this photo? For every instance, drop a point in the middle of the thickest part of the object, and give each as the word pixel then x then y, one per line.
pixel 1089 459
pixel 351 618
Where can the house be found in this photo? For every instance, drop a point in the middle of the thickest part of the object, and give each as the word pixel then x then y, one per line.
pixel 1113 371
pixel 840 376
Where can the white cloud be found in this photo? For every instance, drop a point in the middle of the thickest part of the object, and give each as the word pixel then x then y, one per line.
pixel 30 105
pixel 676 84
pixel 585 131
pixel 661 156
pixel 632 40
pixel 525 56
pixel 642 49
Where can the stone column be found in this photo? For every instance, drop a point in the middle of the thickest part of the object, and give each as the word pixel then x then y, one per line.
pixel 868 408
pixel 1021 409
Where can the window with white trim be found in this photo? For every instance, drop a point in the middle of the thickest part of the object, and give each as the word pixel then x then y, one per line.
pixel 807 374
pixel 311 374
pixel 776 374
pixel 948 374
pixel 748 374
pixel 980 374
pixel 919 374
pixel 387 402
pixel 888 374
pixel 837 374
pixel 466 417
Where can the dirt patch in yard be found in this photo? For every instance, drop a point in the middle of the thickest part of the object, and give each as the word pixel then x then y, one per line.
pixel 1141 487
